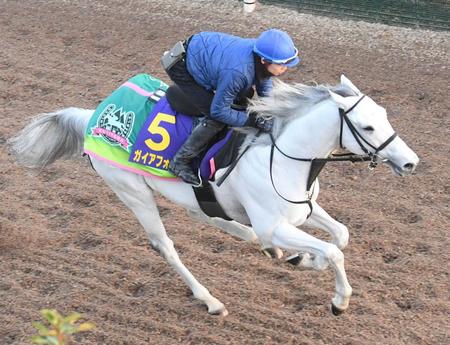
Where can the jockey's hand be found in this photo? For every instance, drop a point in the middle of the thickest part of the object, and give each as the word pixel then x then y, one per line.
pixel 264 125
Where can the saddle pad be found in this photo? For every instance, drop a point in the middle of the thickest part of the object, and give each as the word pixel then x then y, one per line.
pixel 160 137
pixel 116 122
pixel 137 130
pixel 163 133
pixel 221 154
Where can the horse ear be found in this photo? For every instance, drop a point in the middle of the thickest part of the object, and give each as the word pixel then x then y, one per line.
pixel 339 100
pixel 347 82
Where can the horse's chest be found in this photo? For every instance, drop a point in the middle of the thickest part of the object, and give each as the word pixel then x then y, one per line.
pixel 296 214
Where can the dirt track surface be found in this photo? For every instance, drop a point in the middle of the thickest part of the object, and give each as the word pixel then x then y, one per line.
pixel 67 242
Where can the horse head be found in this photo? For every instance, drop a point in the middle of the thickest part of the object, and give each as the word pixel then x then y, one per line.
pixel 365 129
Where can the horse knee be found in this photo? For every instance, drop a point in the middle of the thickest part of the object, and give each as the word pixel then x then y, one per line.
pixel 155 247
pixel 342 239
pixel 334 254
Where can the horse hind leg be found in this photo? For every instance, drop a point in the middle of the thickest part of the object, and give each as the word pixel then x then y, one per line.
pixel 308 261
pixel 136 194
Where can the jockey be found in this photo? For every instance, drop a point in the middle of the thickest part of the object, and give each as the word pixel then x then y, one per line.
pixel 216 69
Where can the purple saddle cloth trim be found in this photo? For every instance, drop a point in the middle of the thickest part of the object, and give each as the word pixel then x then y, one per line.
pixel 178 130
pixel 160 137
pixel 208 165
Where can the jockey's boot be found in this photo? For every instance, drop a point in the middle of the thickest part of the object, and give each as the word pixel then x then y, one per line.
pixel 192 147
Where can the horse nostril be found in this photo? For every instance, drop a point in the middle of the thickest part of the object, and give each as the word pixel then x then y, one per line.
pixel 409 166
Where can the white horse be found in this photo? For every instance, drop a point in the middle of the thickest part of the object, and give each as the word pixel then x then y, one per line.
pixel 308 124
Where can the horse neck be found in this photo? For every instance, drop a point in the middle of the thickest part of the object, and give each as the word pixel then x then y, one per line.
pixel 313 135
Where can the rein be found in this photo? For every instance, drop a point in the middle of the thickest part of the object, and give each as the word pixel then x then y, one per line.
pixel 370 156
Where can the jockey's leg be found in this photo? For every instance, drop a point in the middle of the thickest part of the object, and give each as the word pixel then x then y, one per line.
pixel 287 236
pixel 229 226
pixel 192 147
pixel 197 94
pixel 134 192
pixel 203 133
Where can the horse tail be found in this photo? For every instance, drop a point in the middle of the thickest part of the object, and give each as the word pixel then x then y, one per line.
pixel 51 136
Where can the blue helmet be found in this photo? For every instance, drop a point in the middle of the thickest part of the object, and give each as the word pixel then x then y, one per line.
pixel 275 46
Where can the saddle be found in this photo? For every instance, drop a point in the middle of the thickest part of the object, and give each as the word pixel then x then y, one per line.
pixel 181 103
pixel 224 148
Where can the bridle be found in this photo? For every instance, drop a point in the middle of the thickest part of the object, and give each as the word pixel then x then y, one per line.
pixel 360 139
pixel 318 163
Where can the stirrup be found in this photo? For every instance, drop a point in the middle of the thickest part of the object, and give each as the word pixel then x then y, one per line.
pixel 190 178
pixel 186 174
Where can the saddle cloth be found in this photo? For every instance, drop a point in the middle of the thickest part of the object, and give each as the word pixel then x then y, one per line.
pixel 136 129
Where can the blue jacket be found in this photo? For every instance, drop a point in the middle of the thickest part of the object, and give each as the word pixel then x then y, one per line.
pixel 225 64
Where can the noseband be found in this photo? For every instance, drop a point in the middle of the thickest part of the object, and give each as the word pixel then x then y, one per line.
pixel 360 139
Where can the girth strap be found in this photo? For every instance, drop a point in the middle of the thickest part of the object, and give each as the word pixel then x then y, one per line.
pixel 208 202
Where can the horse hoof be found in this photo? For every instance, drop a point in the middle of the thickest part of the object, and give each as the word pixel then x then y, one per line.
pixel 269 252
pixel 295 259
pixel 219 312
pixel 335 310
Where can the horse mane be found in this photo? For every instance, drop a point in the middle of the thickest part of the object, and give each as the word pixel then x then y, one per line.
pixel 289 101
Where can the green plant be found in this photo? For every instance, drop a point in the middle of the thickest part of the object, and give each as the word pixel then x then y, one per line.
pixel 61 328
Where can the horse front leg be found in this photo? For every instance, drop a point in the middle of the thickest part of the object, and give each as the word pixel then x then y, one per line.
pixel 287 236
pixel 320 219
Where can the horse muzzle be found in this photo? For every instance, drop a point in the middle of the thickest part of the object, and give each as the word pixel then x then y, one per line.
pixel 402 160
pixel 404 170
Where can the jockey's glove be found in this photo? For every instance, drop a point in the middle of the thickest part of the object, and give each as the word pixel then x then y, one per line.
pixel 264 125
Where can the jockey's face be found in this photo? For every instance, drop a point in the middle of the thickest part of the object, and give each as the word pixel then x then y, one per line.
pixel 273 68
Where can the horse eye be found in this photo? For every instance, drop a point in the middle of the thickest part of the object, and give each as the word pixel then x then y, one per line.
pixel 368 128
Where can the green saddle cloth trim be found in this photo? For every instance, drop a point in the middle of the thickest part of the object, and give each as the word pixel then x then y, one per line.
pixel 116 122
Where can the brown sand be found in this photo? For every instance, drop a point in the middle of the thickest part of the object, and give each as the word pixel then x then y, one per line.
pixel 67 242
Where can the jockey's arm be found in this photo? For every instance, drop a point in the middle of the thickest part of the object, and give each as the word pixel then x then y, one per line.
pixel 229 86
pixel 264 86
